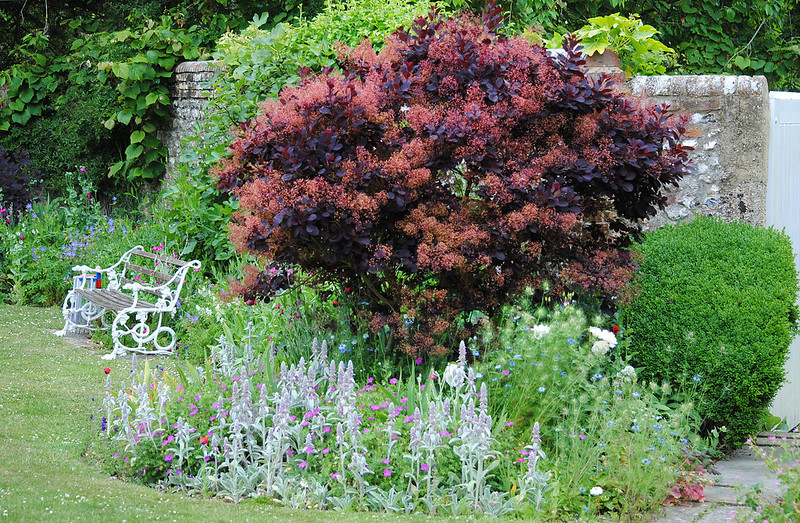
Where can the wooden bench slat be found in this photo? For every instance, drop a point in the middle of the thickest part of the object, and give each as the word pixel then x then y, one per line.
pixel 143 270
pixel 113 299
pixel 158 257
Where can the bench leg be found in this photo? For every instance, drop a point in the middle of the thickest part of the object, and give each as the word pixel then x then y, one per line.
pixel 135 334
pixel 80 314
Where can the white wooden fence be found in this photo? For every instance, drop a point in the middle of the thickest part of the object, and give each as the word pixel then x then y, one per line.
pixel 783 212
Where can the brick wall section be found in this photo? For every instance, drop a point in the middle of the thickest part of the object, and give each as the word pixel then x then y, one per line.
pixel 729 130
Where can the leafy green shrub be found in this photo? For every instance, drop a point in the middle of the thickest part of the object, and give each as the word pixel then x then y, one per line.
pixel 632 40
pixel 714 312
pixel 260 62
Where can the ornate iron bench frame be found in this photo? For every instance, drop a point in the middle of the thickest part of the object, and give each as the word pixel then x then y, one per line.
pixel 86 306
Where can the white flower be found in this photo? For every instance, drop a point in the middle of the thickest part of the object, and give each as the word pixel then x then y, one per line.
pixel 596 491
pixel 540 330
pixel 604 335
pixel 628 371
pixel 600 348
pixel 454 375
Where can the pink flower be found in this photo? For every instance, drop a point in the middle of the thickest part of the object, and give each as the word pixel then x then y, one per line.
pixel 88 196
pixel 424 467
pixel 418 361
pixel 392 381
pixel 509 423
pixel 387 473
pixel 303 464
pixel 83 169
pixel 326 450
pixel 385 461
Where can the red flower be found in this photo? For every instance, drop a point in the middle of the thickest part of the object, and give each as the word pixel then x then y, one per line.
pixel 615 329
pixel 348 290
pixel 335 303
pixel 107 370
pixel 203 440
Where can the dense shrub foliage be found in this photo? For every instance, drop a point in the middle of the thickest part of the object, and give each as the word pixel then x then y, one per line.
pixel 14 180
pixel 450 171
pixel 715 313
pixel 745 37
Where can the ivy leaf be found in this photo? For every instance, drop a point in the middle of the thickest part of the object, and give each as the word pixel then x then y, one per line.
pixel 124 116
pixel 742 62
pixel 133 151
pixel 137 136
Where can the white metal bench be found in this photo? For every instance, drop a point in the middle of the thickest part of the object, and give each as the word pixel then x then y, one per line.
pixel 138 287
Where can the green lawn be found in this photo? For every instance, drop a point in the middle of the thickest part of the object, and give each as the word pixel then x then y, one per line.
pixel 46 391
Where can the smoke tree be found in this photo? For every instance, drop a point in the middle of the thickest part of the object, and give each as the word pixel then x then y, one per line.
pixel 449 172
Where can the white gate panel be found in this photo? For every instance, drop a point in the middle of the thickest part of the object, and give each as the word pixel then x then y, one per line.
pixel 783 212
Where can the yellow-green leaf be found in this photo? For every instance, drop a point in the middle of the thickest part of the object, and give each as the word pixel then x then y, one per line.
pixel 137 136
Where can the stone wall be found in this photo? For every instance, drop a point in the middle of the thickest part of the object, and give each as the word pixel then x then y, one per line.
pixel 728 128
pixel 189 95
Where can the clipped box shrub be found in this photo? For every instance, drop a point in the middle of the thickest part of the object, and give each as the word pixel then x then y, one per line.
pixel 714 312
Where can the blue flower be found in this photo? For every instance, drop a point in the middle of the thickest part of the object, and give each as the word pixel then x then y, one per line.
pixel 635 427
pixel 696 379
pixel 498 367
pixel 570 341
pixel 478 376
pixel 646 461
pixel 542 389
pixel 512 364
pixel 597 377
pixel 344 348
pixel 610 423
pixel 657 426
pixel 635 394
pixel 619 392
pixel 476 353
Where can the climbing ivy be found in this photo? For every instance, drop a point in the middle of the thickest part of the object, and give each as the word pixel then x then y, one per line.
pixel 136 64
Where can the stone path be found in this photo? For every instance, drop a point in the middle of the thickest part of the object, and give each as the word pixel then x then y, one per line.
pixel 744 469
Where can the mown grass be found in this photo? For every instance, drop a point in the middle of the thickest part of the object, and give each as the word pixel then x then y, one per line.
pixel 46 391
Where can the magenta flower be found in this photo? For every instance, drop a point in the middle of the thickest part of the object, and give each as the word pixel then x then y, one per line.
pixel 387 473
pixel 419 361
pixel 303 464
